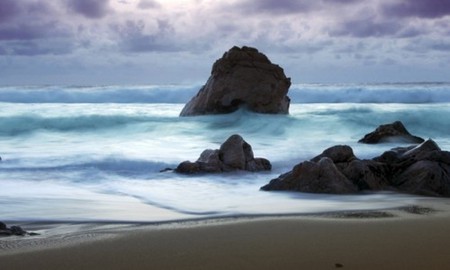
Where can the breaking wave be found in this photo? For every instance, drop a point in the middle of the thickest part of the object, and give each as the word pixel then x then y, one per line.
pixel 299 93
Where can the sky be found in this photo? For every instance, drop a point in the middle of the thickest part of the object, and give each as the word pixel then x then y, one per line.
pixel 98 42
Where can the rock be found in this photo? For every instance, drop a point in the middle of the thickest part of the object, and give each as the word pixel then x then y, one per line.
pixel 4 230
pixel 258 164
pixel 394 132
pixel 425 177
pixel 423 169
pixel 14 230
pixel 188 167
pixel 234 154
pixel 314 177
pixel 243 77
pixel 367 174
pixel 209 161
pixel 338 154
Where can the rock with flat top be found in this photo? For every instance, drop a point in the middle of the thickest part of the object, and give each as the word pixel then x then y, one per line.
pixel 246 78
pixel 394 132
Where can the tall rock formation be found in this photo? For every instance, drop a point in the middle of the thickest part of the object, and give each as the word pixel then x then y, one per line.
pixel 243 77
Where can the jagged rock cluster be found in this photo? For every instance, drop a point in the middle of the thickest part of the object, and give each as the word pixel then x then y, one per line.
pixel 13 230
pixel 243 77
pixel 234 154
pixel 422 169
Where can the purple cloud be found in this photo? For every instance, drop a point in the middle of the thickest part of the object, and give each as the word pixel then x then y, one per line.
pixel 287 6
pixel 93 9
pixel 275 6
pixel 33 48
pixel 366 27
pixel 134 39
pixel 418 8
pixel 8 9
pixel 23 31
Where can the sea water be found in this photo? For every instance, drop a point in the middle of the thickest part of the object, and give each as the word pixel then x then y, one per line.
pixel 95 153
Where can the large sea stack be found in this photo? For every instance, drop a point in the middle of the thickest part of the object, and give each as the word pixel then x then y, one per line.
pixel 243 77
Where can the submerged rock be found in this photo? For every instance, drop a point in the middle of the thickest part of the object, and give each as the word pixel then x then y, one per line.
pixel 394 132
pixel 234 154
pixel 422 169
pixel 242 77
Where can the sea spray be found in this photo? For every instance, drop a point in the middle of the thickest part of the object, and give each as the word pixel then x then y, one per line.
pixel 299 93
pixel 85 161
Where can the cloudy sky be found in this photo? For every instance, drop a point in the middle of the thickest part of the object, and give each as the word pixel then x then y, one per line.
pixel 87 42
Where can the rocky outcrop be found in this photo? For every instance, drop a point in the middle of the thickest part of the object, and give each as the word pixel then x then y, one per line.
pixel 322 176
pixel 13 230
pixel 422 170
pixel 234 154
pixel 394 132
pixel 243 77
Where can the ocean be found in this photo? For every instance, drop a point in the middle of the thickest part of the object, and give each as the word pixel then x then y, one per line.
pixel 76 153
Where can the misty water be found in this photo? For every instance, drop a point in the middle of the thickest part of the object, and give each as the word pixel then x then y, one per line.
pixel 95 153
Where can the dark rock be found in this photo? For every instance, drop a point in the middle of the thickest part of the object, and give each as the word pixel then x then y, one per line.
pixel 243 77
pixel 234 154
pixel 425 178
pixel 313 177
pixel 338 154
pixel 367 174
pixel 13 230
pixel 258 164
pixel 16 230
pixel 6 232
pixel 422 170
pixel 209 161
pixel 188 167
pixel 394 132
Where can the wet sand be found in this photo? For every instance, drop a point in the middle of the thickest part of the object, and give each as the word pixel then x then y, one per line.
pixel 409 238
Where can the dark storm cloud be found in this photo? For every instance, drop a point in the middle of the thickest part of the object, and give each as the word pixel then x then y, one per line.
pixel 363 28
pixel 32 20
pixel 93 9
pixel 8 9
pixel 287 6
pixel 28 31
pixel 274 6
pixel 134 39
pixel 418 8
pixel 33 28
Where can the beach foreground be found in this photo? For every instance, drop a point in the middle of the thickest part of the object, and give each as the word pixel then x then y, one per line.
pixel 407 238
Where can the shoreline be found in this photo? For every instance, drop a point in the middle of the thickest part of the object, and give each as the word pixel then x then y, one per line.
pixel 221 243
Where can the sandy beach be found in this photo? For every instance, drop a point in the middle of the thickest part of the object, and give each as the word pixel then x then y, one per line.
pixel 408 238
